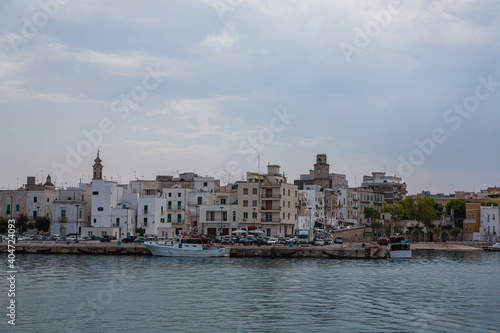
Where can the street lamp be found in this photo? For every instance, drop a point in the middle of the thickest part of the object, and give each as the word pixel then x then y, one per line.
pixel 76 229
pixel 195 223
pixel 221 217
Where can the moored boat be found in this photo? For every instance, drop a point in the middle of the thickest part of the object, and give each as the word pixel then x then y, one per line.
pixel 399 248
pixel 495 247
pixel 193 248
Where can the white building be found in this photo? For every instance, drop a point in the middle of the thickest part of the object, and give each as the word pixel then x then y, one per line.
pixel 489 223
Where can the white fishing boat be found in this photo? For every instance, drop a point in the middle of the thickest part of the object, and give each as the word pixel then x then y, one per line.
pixel 495 247
pixel 193 248
pixel 399 248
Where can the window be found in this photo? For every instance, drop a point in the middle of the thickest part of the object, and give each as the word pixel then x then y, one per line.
pixel 35 199
pixel 179 195
pixel 254 191
pixel 79 213
pixel 245 191
pixel 95 220
pixel 179 218
pixel 223 201
pixel 145 209
pixel 48 200
pixel 117 221
pixel 245 215
pixel 179 205
pixel 63 213
pixel 245 203
pixel 254 203
pixel 17 208
pixel 200 200
pixel 170 195
pixel 169 205
pixel 95 193
pixel 288 215
pixel 100 209
pixel 288 204
pixel 145 221
pixel 288 192
pixel 162 210
pixel 169 218
pixel 162 220
pixel 35 214
pixel 8 209
pixel 205 184
pixel 254 215
pixel 283 191
pixel 234 216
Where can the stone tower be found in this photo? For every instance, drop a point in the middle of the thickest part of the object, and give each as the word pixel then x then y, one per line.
pixel 97 167
pixel 322 171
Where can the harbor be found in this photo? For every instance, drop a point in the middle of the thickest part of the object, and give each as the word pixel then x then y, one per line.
pixel 334 251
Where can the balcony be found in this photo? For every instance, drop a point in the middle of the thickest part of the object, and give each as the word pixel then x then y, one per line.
pixel 274 208
pixel 273 220
pixel 272 196
pixel 145 211
pixel 63 219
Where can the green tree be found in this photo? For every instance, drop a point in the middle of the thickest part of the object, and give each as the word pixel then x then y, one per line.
pixel 376 225
pixel 4 225
pixel 458 206
pixel 371 213
pixel 397 210
pixel 436 231
pixel 21 223
pixel 410 207
pixel 388 231
pixel 425 211
pixel 42 223
pixel 140 231
pixel 455 232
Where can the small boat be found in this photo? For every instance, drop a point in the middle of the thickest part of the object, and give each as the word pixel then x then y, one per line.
pixel 495 247
pixel 186 247
pixel 399 248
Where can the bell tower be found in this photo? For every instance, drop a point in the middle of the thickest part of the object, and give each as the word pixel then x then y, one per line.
pixel 322 171
pixel 97 174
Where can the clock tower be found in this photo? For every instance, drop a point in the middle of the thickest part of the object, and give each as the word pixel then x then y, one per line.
pixel 322 172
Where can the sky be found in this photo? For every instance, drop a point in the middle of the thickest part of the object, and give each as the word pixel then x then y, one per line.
pixel 222 87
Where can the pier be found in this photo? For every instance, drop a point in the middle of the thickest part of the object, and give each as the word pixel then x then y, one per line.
pixel 346 251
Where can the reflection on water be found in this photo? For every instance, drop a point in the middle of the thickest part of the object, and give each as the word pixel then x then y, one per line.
pixel 433 292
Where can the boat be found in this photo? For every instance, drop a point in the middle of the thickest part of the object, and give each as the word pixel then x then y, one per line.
pixel 186 247
pixel 399 248
pixel 495 247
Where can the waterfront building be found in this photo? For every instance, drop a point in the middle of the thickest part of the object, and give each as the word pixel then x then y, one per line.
pixel 177 208
pixel 268 203
pixel 311 212
pixel 472 221
pixel 151 215
pixel 321 176
pixel 71 211
pixel 391 187
pixel 490 225
pixel 366 198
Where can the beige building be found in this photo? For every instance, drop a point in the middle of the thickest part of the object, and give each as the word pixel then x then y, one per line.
pixel 267 202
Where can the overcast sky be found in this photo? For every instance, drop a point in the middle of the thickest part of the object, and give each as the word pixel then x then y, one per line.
pixel 160 87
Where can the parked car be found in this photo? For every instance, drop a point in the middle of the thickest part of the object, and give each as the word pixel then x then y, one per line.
pixel 140 240
pixel 319 242
pixel 129 239
pixel 250 240
pixel 272 241
pixel 106 238
pixel 226 241
pixel 338 240
pixel 282 240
